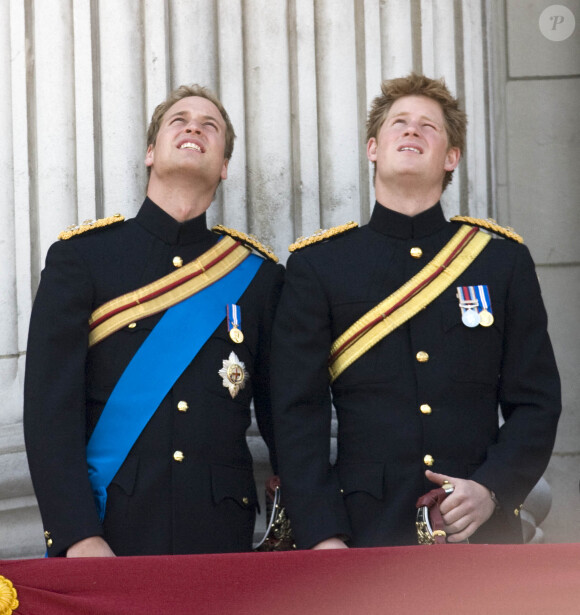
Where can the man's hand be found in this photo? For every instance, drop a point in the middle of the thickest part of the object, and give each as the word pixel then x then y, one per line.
pixel 95 546
pixel 330 543
pixel 467 508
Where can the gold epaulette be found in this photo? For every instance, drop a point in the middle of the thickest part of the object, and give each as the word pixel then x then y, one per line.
pixel 321 235
pixel 89 225
pixel 490 225
pixel 248 240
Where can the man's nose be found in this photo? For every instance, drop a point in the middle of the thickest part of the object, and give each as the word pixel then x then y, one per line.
pixel 193 126
pixel 412 129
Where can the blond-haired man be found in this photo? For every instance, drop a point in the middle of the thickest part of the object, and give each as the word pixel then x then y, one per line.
pixel 421 327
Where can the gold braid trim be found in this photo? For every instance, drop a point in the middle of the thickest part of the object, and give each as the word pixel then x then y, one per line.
pixel 321 235
pixel 89 225
pixel 491 225
pixel 8 597
pixel 165 292
pixel 248 240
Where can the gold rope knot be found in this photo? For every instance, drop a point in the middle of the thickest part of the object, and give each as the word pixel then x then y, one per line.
pixel 8 597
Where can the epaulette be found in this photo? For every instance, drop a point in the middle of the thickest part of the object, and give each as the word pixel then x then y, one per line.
pixel 490 225
pixel 248 240
pixel 89 225
pixel 321 235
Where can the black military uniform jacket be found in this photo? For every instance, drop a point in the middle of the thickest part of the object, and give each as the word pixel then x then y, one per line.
pixel 156 504
pixel 399 410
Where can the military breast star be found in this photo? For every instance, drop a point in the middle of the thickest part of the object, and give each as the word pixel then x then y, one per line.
pixel 234 374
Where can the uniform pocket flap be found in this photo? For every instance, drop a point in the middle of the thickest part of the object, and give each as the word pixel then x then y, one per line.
pixel 367 476
pixel 235 483
pixel 126 477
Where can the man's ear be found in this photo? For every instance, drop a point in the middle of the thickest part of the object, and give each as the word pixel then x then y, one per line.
pixel 224 173
pixel 372 149
pixel 452 158
pixel 149 156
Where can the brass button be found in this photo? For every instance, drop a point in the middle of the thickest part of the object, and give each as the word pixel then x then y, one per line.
pixel 177 261
pixel 428 460
pixel 416 252
pixel 422 356
pixel 132 325
pixel 178 456
pixel 49 542
pixel 425 409
pixel 183 406
pixel 516 512
pixel 245 501
pixel 342 490
pixel 47 534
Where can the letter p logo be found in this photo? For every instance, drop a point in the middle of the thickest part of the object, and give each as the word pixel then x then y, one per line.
pixel 557 22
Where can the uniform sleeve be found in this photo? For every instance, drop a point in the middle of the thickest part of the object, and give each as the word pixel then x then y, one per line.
pixel 54 400
pixel 529 396
pixel 302 407
pixel 262 388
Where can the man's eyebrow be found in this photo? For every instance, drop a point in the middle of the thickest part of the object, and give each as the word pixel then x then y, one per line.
pixel 423 117
pixel 185 112
pixel 211 117
pixel 177 114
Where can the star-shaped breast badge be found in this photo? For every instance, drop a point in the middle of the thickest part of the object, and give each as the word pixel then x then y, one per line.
pixel 234 374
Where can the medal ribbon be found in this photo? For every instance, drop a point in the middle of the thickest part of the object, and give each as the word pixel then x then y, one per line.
pixel 484 299
pixel 465 296
pixel 415 295
pixel 234 316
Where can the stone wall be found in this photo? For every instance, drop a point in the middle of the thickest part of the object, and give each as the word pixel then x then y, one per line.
pixel 537 145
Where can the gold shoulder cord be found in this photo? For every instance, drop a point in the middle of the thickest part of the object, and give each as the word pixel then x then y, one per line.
pixel 490 225
pixel 249 240
pixel 89 225
pixel 321 235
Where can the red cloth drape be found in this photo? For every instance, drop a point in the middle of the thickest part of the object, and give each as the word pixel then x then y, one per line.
pixel 450 579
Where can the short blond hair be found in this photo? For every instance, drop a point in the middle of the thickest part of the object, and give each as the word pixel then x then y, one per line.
pixel 419 85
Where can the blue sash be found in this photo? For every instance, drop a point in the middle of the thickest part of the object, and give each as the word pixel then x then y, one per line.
pixel 159 362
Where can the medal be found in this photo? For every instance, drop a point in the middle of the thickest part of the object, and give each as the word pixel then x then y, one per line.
pixel 475 305
pixel 468 305
pixel 234 314
pixel 234 374
pixel 485 318
pixel 485 315
pixel 470 318
pixel 236 335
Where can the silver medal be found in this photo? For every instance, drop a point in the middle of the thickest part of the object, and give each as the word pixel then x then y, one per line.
pixel 470 318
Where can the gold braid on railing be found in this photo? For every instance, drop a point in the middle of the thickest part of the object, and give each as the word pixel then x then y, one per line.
pixel 8 597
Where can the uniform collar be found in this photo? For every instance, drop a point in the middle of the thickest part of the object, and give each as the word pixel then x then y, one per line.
pixel 159 223
pixel 395 224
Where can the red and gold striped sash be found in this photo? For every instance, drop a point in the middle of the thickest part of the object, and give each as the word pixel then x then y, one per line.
pixel 160 295
pixel 409 299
